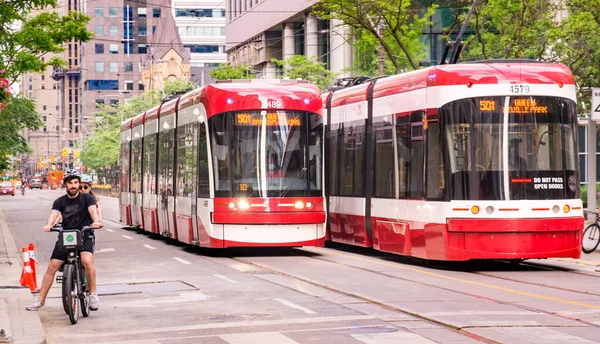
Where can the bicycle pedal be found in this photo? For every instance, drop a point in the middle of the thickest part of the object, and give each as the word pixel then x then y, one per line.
pixel 59 279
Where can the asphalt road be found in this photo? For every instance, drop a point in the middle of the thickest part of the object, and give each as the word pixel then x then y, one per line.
pixel 156 291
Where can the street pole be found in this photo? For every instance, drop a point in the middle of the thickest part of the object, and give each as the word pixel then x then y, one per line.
pixel 591 164
pixel 381 57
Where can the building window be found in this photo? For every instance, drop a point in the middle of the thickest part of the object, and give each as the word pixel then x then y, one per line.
pixel 114 48
pixel 113 30
pixel 129 66
pixel 202 48
pixel 103 85
pixel 43 87
pixel 193 12
pixel 43 77
pixel 153 29
pixel 114 67
pixel 99 30
pixel 142 12
pixel 100 48
pixel 100 67
pixel 142 48
pixel 54 86
pixel 114 102
pixel 44 107
pixel 57 108
pixel 98 12
pixel 128 85
pixel 141 86
pixel 45 129
pixel 99 103
pixel 44 118
pixel 142 30
pixel 156 12
pixel 113 12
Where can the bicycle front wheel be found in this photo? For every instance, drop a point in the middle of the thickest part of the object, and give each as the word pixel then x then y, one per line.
pixel 73 299
pixel 591 238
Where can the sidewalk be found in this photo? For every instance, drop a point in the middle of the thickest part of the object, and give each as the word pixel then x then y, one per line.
pixel 19 325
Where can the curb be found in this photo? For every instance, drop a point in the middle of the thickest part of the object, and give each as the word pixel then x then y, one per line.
pixel 19 325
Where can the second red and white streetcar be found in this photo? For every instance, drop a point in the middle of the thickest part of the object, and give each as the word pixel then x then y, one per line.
pixel 230 164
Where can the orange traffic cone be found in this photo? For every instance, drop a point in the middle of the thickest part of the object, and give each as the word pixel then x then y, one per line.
pixel 27 275
pixel 32 261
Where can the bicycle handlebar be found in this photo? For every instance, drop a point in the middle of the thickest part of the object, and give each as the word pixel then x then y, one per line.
pixel 59 228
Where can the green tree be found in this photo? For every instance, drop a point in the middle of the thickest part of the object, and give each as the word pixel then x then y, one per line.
pixel 403 22
pixel 228 72
pixel 25 39
pixel 533 29
pixel 301 67
pixel 101 148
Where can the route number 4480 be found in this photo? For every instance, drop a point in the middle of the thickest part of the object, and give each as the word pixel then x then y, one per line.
pixel 519 89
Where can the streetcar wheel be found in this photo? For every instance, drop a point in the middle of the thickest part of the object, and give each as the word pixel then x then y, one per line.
pixel 591 238
pixel 73 299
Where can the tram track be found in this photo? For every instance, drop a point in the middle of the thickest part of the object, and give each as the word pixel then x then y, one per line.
pixel 459 329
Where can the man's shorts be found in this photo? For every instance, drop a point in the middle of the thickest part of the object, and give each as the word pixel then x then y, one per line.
pixel 89 241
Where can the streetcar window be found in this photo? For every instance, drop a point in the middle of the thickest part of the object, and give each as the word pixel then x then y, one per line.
pixel 533 151
pixel 351 162
pixel 150 162
pixel 334 171
pixel 403 150
pixel 203 184
pixel 383 133
pixel 435 165
pixel 166 153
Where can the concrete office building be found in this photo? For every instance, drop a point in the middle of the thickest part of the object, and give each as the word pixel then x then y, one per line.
pixel 201 26
pixel 260 30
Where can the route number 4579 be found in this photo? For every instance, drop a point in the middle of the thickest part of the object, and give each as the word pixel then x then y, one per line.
pixel 519 89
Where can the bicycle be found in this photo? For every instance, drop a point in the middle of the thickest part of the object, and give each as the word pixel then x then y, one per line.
pixel 23 190
pixel 591 235
pixel 75 288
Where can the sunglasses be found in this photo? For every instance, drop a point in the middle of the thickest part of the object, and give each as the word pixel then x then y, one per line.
pixel 84 187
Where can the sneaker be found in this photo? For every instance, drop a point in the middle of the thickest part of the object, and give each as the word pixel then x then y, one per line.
pixel 94 302
pixel 37 304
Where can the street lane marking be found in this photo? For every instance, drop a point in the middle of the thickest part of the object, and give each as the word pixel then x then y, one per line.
pixel 295 306
pixel 225 278
pixel 127 237
pixel 233 324
pixel 485 285
pixel 182 260
pixel 391 338
pixel 257 338
pixel 108 229
pixel 150 247
pixel 105 250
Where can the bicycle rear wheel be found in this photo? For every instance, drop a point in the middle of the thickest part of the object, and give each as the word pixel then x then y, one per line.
pixel 73 299
pixel 591 238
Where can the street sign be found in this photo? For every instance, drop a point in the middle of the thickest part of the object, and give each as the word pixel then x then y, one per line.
pixel 596 104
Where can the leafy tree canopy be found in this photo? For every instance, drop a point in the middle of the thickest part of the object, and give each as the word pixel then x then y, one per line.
pixel 24 40
pixel 301 67
pixel 228 72
pixel 101 148
pixel 403 22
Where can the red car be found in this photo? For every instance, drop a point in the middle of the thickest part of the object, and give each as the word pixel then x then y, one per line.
pixel 6 188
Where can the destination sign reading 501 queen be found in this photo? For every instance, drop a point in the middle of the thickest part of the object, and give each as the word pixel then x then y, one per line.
pixel 271 119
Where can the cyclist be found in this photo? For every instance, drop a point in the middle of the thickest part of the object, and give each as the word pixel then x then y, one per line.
pixel 77 210
pixel 86 187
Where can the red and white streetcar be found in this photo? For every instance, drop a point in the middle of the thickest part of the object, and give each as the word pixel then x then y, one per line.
pixel 457 162
pixel 229 164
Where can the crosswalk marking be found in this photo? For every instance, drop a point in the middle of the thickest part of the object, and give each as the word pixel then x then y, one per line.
pixel 295 306
pixel 392 338
pixel 257 338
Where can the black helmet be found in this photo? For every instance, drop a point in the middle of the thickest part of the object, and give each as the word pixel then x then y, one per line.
pixel 71 174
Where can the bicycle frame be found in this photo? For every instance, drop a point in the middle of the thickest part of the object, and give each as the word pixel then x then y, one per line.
pixel 75 288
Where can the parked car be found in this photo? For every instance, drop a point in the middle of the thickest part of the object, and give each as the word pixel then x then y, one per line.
pixel 36 184
pixel 18 184
pixel 6 188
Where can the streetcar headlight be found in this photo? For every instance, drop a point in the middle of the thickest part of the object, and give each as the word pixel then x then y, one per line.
pixel 243 205
pixel 475 210
pixel 489 209
pixel 232 205
pixel 299 205
pixel 309 205
pixel 566 208
pixel 555 209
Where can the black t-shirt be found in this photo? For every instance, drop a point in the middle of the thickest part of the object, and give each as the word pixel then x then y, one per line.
pixel 75 210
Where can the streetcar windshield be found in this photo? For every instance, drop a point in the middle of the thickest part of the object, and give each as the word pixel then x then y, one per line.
pixel 267 154
pixel 515 148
